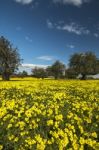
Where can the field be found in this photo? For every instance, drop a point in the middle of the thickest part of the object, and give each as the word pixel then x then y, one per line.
pixel 49 115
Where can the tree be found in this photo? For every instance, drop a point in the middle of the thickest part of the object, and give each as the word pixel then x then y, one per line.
pixel 39 72
pixel 84 64
pixel 22 74
pixel 49 71
pixel 9 58
pixel 58 69
pixel 70 73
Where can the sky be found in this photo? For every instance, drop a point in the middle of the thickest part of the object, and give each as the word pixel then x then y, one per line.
pixel 48 30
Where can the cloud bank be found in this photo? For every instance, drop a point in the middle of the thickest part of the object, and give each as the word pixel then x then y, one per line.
pixel 28 67
pixel 71 46
pixel 24 1
pixel 33 66
pixel 71 28
pixel 72 2
pixel 46 58
pixel 74 28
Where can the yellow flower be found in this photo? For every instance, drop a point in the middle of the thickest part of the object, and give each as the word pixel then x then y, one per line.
pixel 94 134
pixel 11 137
pixel 16 139
pixel 1 147
pixel 9 125
pixel 82 141
pixel 40 146
pixel 59 117
pixel 62 107
pixel 50 122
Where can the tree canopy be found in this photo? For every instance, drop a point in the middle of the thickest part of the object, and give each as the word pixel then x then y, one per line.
pixel 57 69
pixel 9 58
pixel 84 64
pixel 39 72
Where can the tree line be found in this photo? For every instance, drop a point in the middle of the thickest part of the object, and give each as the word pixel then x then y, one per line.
pixel 79 64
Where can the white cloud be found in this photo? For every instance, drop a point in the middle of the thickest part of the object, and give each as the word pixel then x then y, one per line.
pixel 47 58
pixel 71 27
pixel 71 2
pixel 96 35
pixel 28 67
pixel 27 38
pixel 24 1
pixel 71 46
pixel 49 24
pixel 74 28
pixel 33 66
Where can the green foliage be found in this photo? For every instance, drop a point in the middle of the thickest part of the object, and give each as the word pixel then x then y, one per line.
pixel 9 58
pixel 22 74
pixel 49 71
pixel 57 69
pixel 70 73
pixel 84 64
pixel 39 72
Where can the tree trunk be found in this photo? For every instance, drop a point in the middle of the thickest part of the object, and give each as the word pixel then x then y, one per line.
pixel 83 77
pixel 6 76
pixel 56 77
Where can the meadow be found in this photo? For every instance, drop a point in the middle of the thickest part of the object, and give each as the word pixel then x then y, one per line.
pixel 38 114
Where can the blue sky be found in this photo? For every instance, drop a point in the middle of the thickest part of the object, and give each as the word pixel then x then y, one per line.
pixel 49 30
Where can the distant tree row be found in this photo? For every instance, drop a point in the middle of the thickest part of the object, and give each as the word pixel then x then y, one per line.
pixel 79 63
pixel 57 71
